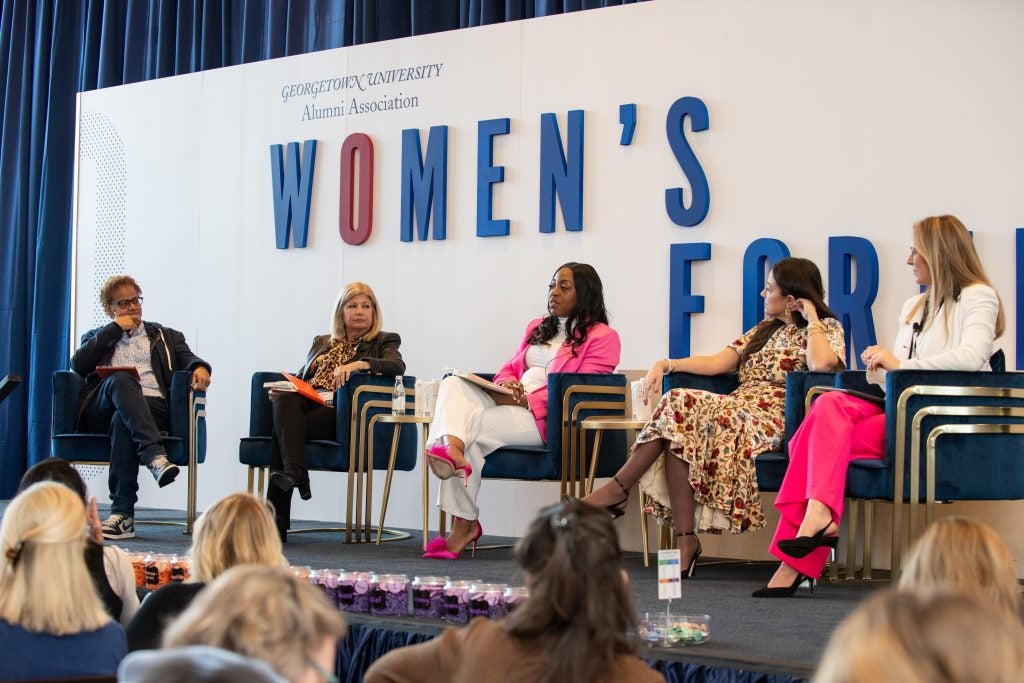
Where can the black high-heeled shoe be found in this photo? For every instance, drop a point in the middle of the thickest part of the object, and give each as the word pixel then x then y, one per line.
pixel 691 570
pixel 783 591
pixel 292 478
pixel 616 510
pixel 802 546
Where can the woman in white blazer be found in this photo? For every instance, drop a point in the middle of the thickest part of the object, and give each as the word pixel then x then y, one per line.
pixel 952 325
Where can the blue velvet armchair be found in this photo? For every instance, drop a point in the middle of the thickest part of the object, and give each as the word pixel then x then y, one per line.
pixel 185 442
pixel 950 436
pixel 362 397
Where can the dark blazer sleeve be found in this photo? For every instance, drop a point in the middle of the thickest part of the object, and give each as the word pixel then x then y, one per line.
pixel 383 355
pixel 96 344
pixel 146 629
pixel 184 359
pixel 318 346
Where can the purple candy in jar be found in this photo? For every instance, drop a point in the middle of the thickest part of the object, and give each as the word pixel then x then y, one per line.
pixel 487 600
pixel 328 581
pixel 456 601
pixel 389 595
pixel 514 596
pixel 354 592
pixel 428 596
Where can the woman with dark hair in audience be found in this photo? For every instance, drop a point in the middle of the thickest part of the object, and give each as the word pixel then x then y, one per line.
pixel 953 325
pixel 237 529
pixel 52 623
pixel 109 566
pixel 695 458
pixel 471 422
pixel 356 344
pixel 575 626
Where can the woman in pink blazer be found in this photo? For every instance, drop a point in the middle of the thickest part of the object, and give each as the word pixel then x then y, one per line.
pixel 471 422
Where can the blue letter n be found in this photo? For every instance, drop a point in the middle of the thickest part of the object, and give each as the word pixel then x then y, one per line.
pixel 561 173
pixel 293 190
pixel 424 183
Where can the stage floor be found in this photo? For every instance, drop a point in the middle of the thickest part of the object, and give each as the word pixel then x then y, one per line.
pixel 783 636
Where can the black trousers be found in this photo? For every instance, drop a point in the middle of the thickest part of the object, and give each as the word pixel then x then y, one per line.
pixel 296 421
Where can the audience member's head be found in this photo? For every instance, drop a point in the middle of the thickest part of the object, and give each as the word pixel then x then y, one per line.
pixel 54 469
pixel 966 556
pixel 194 664
pixel 237 529
pixel 579 609
pixel 924 636
pixel 265 613
pixel 45 586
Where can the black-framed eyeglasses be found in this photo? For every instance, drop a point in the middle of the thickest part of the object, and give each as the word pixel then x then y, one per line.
pixel 124 304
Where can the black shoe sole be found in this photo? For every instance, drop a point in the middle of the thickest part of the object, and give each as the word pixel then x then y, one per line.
pixel 168 476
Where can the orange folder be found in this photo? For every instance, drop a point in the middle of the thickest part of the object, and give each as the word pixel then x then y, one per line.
pixel 305 388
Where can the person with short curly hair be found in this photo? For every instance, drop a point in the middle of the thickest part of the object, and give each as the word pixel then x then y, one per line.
pixel 132 411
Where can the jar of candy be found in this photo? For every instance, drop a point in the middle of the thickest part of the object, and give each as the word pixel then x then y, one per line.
pixel 514 595
pixel 354 592
pixel 139 568
pixel 428 596
pixel 301 571
pixel 456 601
pixel 180 567
pixel 152 571
pixel 327 579
pixel 389 595
pixel 487 600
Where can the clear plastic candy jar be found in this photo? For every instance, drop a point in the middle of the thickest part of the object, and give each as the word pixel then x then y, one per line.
pixel 354 592
pixel 180 567
pixel 428 596
pixel 301 571
pixel 389 595
pixel 487 600
pixel 328 580
pixel 456 601
pixel 514 596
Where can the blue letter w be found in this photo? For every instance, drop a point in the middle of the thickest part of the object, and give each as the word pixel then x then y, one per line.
pixel 292 191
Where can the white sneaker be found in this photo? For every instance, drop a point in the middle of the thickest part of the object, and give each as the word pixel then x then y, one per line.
pixel 118 526
pixel 163 470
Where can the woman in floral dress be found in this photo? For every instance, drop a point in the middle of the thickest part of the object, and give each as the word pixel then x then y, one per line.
pixel 695 458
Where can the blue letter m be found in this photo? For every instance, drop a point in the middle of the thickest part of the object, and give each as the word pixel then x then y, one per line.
pixel 424 180
pixel 293 191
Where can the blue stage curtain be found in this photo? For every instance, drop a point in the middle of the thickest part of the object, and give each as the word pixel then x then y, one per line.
pixel 52 49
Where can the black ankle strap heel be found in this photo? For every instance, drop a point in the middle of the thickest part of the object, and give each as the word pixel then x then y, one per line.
pixel 691 570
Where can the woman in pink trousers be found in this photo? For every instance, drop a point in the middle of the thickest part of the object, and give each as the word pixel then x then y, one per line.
pixel 952 325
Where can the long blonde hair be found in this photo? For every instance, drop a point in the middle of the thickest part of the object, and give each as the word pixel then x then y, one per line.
pixel 947 247
pixel 922 636
pixel 45 586
pixel 967 556
pixel 237 529
pixel 346 294
pixel 262 612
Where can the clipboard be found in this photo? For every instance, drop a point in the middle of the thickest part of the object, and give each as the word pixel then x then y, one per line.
pixel 481 382
pixel 877 400
pixel 105 371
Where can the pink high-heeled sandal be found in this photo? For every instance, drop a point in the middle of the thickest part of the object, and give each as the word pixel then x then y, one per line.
pixel 442 552
pixel 443 465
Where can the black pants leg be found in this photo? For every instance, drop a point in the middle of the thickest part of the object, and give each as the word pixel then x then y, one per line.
pixel 296 421
pixel 134 422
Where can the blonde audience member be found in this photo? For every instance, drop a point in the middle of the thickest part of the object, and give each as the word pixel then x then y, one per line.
pixel 924 636
pixel 265 613
pixel 968 557
pixel 52 623
pixel 574 627
pixel 237 529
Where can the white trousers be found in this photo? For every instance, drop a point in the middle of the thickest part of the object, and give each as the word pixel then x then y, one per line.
pixel 467 412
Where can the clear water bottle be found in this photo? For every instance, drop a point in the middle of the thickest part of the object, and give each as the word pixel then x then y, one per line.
pixel 398 397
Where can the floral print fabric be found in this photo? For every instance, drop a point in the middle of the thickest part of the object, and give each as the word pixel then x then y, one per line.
pixel 720 435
